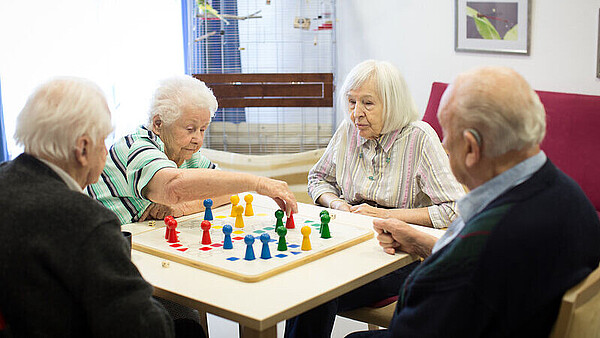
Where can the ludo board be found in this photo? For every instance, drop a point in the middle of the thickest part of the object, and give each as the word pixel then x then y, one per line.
pixel 232 263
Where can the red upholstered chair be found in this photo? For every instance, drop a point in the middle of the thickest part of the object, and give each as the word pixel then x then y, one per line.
pixel 572 139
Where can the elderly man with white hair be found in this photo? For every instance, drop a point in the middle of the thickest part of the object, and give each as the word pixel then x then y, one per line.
pixel 158 171
pixel 64 265
pixel 525 234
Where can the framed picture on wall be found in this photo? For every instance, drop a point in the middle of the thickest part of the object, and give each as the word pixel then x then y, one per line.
pixel 492 26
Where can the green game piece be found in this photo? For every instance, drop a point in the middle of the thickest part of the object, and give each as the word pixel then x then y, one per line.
pixel 282 245
pixel 279 215
pixel 325 226
pixel 324 212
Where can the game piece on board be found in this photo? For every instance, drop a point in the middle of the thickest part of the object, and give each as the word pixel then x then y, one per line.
pixel 208 209
pixel 289 223
pixel 227 243
pixel 239 219
pixel 249 240
pixel 168 220
pixel 205 226
pixel 249 210
pixel 282 245
pixel 323 212
pixel 235 199
pixel 305 239
pixel 265 253
pixel 172 235
pixel 279 215
pixel 325 227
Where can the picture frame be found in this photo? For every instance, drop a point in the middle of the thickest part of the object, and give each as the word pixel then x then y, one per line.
pixel 492 26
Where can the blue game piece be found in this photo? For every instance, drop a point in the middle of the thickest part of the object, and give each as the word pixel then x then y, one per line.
pixel 227 230
pixel 249 240
pixel 208 216
pixel 265 253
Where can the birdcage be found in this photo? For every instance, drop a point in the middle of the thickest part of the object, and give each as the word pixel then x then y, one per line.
pixel 282 109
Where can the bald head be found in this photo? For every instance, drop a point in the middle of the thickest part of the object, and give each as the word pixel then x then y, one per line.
pixel 499 105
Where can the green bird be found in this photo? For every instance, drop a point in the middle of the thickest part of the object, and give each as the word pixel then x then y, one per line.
pixel 205 7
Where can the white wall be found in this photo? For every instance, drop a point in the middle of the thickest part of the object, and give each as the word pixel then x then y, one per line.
pixel 124 46
pixel 418 37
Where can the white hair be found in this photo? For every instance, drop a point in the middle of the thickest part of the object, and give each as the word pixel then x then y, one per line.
pixel 58 113
pixel 178 92
pixel 502 107
pixel 399 108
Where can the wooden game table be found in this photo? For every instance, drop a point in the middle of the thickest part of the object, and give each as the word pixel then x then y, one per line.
pixel 259 306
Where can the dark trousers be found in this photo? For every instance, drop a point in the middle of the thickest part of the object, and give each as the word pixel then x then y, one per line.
pixel 318 322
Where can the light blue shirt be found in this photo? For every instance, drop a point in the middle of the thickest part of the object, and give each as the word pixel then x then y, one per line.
pixel 479 198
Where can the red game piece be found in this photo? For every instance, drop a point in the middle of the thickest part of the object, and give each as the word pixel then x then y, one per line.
pixel 205 226
pixel 168 221
pixel 289 223
pixel 172 226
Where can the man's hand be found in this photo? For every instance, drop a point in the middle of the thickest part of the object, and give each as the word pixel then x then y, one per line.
pixel 365 209
pixel 279 192
pixel 395 235
pixel 160 211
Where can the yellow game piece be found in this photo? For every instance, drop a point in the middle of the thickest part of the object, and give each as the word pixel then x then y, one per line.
pixel 249 211
pixel 305 240
pixel 239 220
pixel 235 199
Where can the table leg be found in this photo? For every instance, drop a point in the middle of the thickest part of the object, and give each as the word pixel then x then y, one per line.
pixel 270 332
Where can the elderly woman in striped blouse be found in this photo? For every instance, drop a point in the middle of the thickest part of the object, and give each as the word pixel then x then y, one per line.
pixel 159 171
pixel 382 161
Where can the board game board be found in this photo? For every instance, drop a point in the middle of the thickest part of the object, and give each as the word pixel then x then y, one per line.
pixel 232 263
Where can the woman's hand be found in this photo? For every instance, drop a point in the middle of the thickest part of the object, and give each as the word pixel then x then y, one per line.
pixel 340 204
pixel 365 209
pixel 159 211
pixel 279 192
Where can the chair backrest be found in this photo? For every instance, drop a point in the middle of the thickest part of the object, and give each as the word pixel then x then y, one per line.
pixel 571 142
pixel 579 314
pixel 271 90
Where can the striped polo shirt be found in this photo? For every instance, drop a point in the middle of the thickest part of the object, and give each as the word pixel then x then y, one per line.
pixel 405 168
pixel 131 163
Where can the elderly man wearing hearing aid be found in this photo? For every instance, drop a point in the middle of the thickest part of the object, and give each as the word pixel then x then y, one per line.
pixel 525 234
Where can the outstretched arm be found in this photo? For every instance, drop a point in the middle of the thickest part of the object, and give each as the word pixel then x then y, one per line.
pixel 172 186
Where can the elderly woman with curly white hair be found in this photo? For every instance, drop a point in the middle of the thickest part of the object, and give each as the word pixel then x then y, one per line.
pixel 382 161
pixel 158 170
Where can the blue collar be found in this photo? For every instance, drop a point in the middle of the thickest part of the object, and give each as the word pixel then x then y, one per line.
pixel 477 199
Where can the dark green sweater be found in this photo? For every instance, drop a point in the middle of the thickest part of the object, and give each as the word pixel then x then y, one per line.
pixel 506 272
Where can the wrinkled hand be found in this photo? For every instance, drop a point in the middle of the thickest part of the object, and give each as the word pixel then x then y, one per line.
pixel 341 205
pixel 365 209
pixel 160 211
pixel 279 192
pixel 395 235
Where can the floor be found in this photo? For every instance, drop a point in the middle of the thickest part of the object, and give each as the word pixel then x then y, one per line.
pixel 223 328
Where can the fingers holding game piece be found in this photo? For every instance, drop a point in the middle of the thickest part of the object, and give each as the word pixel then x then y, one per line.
pixel 279 192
